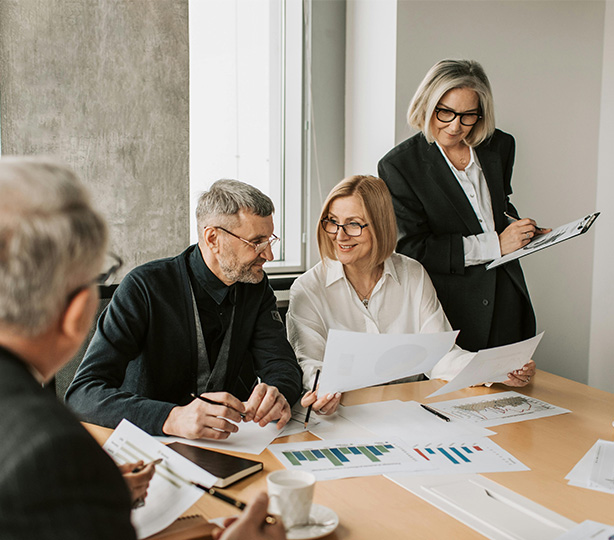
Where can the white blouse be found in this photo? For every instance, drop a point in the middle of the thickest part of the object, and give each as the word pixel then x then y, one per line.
pixel 403 301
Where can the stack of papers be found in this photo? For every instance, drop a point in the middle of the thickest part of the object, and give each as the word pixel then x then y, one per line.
pixel 596 469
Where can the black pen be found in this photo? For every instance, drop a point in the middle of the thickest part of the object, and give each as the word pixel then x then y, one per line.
pixel 315 385
pixel 518 219
pixel 228 499
pixel 211 402
pixel 433 411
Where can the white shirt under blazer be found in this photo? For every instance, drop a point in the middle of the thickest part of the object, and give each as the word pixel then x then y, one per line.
pixel 403 301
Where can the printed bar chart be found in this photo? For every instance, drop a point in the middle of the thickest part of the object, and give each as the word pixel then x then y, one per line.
pixel 340 455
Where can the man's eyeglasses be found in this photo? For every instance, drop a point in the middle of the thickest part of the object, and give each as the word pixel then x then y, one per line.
pixel 351 229
pixel 112 265
pixel 258 247
pixel 446 116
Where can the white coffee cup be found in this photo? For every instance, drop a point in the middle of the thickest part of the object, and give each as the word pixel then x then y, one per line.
pixel 291 495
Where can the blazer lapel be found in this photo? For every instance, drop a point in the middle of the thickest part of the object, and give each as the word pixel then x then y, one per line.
pixel 438 173
pixel 491 166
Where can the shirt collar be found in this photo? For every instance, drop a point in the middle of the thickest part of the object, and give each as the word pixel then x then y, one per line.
pixel 334 271
pixel 215 287
pixel 473 160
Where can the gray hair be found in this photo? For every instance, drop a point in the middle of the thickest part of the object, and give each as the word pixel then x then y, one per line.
pixel 225 199
pixel 446 75
pixel 51 242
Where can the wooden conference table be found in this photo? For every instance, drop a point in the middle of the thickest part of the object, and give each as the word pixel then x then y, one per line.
pixel 374 507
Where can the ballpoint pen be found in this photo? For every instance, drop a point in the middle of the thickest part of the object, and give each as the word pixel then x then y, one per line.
pixel 433 411
pixel 315 385
pixel 211 402
pixel 518 219
pixel 230 500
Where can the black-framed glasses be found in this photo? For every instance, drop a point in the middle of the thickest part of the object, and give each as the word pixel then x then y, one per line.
pixel 258 247
pixel 447 115
pixel 112 265
pixel 351 229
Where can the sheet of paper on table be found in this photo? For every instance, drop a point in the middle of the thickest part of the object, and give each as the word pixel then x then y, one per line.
pixel 408 421
pixel 250 439
pixel 492 365
pixel 596 468
pixel 170 491
pixel 355 360
pixel 497 409
pixel 589 530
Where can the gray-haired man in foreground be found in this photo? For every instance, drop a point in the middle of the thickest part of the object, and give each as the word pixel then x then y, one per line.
pixel 55 480
pixel 193 344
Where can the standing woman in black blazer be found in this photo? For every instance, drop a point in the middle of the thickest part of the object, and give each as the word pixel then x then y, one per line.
pixel 450 186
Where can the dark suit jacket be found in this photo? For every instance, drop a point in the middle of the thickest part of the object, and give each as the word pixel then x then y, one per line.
pixel 142 360
pixel 434 214
pixel 56 482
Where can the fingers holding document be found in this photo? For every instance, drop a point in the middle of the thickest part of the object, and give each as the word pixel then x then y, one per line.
pixel 327 404
pixel 522 376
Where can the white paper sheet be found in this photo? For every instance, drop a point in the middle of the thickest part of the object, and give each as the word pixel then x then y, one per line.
pixel 250 439
pixel 355 360
pixel 329 460
pixel 494 511
pixel 589 530
pixel 492 365
pixel 409 422
pixel 596 468
pixel 170 492
pixel 338 427
pixel 497 409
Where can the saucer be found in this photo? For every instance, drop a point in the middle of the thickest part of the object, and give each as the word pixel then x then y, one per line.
pixel 322 521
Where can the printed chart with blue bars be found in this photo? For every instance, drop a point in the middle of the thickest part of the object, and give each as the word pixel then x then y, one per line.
pixel 342 459
pixel 340 456
pixel 454 454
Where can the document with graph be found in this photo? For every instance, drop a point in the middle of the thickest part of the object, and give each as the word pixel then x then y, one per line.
pixel 543 241
pixel 497 409
pixel 170 491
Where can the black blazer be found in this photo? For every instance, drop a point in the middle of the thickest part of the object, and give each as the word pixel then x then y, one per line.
pixel 56 482
pixel 434 214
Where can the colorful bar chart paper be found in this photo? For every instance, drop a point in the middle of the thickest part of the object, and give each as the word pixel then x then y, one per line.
pixel 341 459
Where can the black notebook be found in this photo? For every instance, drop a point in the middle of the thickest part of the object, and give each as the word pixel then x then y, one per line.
pixel 228 469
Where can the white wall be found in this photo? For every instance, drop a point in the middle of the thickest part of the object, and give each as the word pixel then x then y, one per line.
pixel 545 62
pixel 601 374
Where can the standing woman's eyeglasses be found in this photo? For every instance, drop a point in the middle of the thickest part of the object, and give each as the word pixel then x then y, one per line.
pixel 351 229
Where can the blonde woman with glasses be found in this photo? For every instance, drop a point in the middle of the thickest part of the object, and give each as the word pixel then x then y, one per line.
pixel 362 286
pixel 450 185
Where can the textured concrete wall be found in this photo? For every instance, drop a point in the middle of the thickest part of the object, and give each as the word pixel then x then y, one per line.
pixel 103 85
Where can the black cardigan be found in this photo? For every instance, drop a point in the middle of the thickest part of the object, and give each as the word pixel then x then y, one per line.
pixel 142 359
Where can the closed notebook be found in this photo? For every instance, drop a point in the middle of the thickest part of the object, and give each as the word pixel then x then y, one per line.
pixel 228 469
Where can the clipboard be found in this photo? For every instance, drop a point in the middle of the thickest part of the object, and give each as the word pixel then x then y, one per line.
pixel 543 241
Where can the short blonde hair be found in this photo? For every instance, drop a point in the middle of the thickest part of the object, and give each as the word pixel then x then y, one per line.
pixel 446 75
pixel 379 212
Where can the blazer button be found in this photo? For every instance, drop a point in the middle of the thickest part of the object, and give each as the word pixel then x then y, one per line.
pixel 485 302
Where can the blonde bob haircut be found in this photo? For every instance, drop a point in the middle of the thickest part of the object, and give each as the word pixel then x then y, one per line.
pixel 379 213
pixel 442 77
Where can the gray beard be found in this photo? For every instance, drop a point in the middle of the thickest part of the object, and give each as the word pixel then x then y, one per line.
pixel 242 274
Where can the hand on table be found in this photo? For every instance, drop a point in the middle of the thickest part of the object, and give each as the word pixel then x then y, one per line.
pixel 522 376
pixel 327 404
pixel 266 404
pixel 201 420
pixel 138 482
pixel 252 525
pixel 518 234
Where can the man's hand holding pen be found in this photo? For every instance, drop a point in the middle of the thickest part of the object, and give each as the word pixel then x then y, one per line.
pixel 518 234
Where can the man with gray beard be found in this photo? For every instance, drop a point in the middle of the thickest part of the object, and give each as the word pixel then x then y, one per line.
pixel 203 323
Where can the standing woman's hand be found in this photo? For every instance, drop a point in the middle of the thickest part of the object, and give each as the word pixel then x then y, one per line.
pixel 518 234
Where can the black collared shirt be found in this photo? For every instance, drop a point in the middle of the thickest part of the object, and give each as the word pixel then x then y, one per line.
pixel 214 301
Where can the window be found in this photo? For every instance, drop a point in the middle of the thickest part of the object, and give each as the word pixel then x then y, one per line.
pixel 246 108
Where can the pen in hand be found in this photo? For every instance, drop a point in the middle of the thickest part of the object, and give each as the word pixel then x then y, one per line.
pixel 518 219
pixel 315 385
pixel 141 467
pixel 211 402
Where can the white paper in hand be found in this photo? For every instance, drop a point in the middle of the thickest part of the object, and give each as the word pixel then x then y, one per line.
pixel 355 360
pixel 492 365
